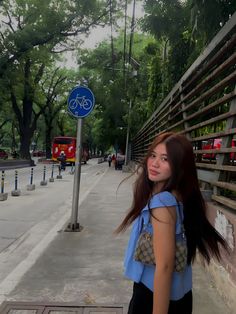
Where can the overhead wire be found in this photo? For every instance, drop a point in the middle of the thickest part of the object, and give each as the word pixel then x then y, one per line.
pixel 125 38
pixel 132 31
pixel 127 57
pixel 112 40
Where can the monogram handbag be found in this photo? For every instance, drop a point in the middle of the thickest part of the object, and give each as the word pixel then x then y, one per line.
pixel 144 249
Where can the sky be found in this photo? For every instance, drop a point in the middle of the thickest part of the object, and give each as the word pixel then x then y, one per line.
pixel 99 34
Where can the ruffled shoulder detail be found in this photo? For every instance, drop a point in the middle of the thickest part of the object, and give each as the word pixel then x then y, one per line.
pixel 162 199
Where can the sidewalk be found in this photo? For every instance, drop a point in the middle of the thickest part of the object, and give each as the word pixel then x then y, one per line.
pixel 86 267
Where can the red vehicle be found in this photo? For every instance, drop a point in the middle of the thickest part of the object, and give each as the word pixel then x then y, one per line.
pixel 3 154
pixel 215 144
pixel 67 145
pixel 39 153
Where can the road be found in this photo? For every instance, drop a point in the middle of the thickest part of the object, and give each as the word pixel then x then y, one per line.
pixel 28 221
pixel 24 175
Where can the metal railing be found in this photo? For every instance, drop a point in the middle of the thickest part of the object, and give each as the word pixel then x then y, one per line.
pixel 202 105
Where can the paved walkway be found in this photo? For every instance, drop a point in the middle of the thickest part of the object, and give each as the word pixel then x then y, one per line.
pixel 86 267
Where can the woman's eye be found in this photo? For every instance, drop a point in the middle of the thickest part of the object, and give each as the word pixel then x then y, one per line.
pixel 164 159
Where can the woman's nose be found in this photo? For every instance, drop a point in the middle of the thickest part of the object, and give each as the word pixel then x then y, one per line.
pixel 156 162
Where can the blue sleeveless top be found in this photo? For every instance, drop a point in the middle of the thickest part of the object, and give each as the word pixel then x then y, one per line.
pixel 138 272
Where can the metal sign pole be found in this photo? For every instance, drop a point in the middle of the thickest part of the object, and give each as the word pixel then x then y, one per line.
pixel 79 104
pixel 75 201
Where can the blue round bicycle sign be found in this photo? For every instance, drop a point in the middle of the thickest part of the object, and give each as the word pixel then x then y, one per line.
pixel 80 102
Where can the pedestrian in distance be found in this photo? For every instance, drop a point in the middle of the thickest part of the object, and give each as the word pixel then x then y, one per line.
pixel 62 160
pixel 113 159
pixel 109 160
pixel 167 202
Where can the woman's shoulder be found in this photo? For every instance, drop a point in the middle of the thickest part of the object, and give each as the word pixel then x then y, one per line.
pixel 162 199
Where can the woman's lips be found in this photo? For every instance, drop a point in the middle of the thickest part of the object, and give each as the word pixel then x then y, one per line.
pixel 153 173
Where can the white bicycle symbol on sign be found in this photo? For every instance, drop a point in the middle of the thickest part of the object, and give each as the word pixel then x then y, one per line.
pixel 82 102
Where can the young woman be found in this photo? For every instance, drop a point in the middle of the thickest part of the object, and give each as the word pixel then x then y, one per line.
pixel 166 197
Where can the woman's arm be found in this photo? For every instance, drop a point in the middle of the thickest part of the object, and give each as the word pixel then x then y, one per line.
pixel 163 224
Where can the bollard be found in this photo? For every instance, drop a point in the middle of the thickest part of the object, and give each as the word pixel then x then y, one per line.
pixel 16 192
pixel 3 196
pixel 44 182
pixel 31 186
pixel 72 170
pixel 59 176
pixel 52 179
pixel 2 182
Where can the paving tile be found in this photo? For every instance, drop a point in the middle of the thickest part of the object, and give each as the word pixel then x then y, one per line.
pixel 35 308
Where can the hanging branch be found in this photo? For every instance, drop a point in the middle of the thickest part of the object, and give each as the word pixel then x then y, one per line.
pixel 4 122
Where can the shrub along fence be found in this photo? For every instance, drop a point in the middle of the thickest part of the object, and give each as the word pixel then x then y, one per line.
pixel 202 105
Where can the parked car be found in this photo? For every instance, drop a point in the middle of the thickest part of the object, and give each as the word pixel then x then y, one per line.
pixel 3 154
pixel 39 153
pixel 215 144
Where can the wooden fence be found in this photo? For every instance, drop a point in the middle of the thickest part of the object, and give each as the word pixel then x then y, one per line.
pixel 202 106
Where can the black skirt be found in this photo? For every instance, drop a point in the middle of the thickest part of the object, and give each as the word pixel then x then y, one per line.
pixel 142 302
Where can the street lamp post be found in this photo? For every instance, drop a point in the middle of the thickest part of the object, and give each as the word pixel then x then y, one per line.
pixel 135 66
pixel 127 135
pixel 134 73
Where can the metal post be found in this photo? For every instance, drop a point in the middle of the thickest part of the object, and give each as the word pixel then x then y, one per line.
pixel 44 182
pixel 31 186
pixel 74 225
pixel 59 176
pixel 2 182
pixel 44 173
pixel 127 135
pixel 16 179
pixel 31 176
pixel 52 171
pixel 3 196
pixel 52 179
pixel 16 192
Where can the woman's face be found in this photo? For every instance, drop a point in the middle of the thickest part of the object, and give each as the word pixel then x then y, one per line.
pixel 158 167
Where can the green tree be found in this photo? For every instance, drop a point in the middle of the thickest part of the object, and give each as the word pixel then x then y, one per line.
pixel 182 29
pixel 53 101
pixel 168 21
pixel 23 92
pixel 25 29
pixel 106 78
pixel 207 17
pixel 28 43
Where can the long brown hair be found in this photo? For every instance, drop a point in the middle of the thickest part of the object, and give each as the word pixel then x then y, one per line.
pixel 200 233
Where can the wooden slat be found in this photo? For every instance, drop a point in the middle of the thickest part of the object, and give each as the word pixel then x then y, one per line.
pixel 225 201
pixel 214 135
pixel 225 185
pixel 213 90
pixel 215 151
pixel 211 77
pixel 199 72
pixel 224 99
pixel 216 167
pixel 207 175
pixel 218 118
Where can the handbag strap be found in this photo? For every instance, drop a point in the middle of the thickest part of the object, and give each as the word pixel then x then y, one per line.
pixel 179 214
pixel 181 218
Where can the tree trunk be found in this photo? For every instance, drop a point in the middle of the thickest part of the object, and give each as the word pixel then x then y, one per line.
pixel 25 139
pixel 27 118
pixel 48 141
pixel 13 143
